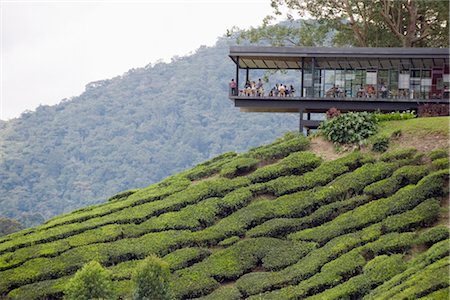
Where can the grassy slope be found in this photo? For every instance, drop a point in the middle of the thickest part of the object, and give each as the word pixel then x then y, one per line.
pixel 274 223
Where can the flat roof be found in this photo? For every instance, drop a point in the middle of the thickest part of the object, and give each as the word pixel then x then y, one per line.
pixel 290 57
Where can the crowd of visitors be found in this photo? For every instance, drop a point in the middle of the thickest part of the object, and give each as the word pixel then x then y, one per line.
pixel 252 88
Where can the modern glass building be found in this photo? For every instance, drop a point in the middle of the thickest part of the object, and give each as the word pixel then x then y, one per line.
pixel 356 79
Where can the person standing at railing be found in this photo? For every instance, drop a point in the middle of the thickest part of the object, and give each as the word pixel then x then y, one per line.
pixel 233 87
pixel 384 91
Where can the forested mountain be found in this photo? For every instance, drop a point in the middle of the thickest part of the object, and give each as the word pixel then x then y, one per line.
pixel 126 132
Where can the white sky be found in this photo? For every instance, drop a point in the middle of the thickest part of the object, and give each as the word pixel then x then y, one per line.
pixel 51 49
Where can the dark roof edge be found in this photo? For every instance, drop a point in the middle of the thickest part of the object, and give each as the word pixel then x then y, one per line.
pixel 292 51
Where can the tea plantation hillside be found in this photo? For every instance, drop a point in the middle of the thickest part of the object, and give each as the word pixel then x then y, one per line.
pixel 276 222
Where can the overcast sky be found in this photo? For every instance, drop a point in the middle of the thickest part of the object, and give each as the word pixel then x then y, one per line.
pixel 51 49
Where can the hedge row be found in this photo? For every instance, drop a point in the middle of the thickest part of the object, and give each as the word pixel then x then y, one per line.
pixel 291 142
pixel 209 167
pixel 282 226
pixel 239 166
pixel 435 253
pixel 442 294
pixel 185 257
pixel 122 195
pixel 322 175
pixel 367 241
pixel 136 214
pixel 400 154
pixel 378 270
pixel 48 289
pixel 154 192
pixel 401 177
pixel 258 282
pixel 223 293
pixel 297 204
pixel 440 163
pixel 375 211
pixel 160 243
pixel 177 259
pixel 438 153
pixel 295 163
pixel 423 214
pixel 331 274
pixel 232 262
pixel 187 218
pixel 431 278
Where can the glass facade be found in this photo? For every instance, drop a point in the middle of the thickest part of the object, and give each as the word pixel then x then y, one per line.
pixel 400 83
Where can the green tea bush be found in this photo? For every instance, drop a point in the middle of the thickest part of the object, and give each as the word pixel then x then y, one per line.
pixel 440 163
pixel 431 278
pixel 378 270
pixel 238 166
pixel 47 289
pixel 91 282
pixel 433 235
pixel 229 241
pixel 401 177
pixel 380 144
pixel 223 293
pixel 296 163
pixel 209 167
pixel 350 128
pixel 422 215
pixel 375 211
pixel 151 280
pixel 122 195
pixel 398 154
pixel 438 153
pixel 322 175
pixel 136 214
pixel 258 282
pixel 291 142
pixel 185 257
pixel 281 226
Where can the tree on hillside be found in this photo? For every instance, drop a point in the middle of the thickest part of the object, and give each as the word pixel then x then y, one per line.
pixel 91 282
pixel 151 280
pixel 364 23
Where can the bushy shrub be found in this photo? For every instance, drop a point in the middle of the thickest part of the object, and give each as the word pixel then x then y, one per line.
pixel 398 154
pixel 238 166
pixel 209 167
pixel 440 163
pixel 380 144
pixel 185 257
pixel 438 153
pixel 91 282
pixel 350 128
pixel 296 163
pixel 223 293
pixel 151 280
pixel 291 142
pixel 403 176
pixel 394 116
pixel 122 195
pixel 323 174
pixel 229 241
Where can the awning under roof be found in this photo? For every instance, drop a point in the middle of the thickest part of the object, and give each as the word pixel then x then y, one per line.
pixel 261 57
